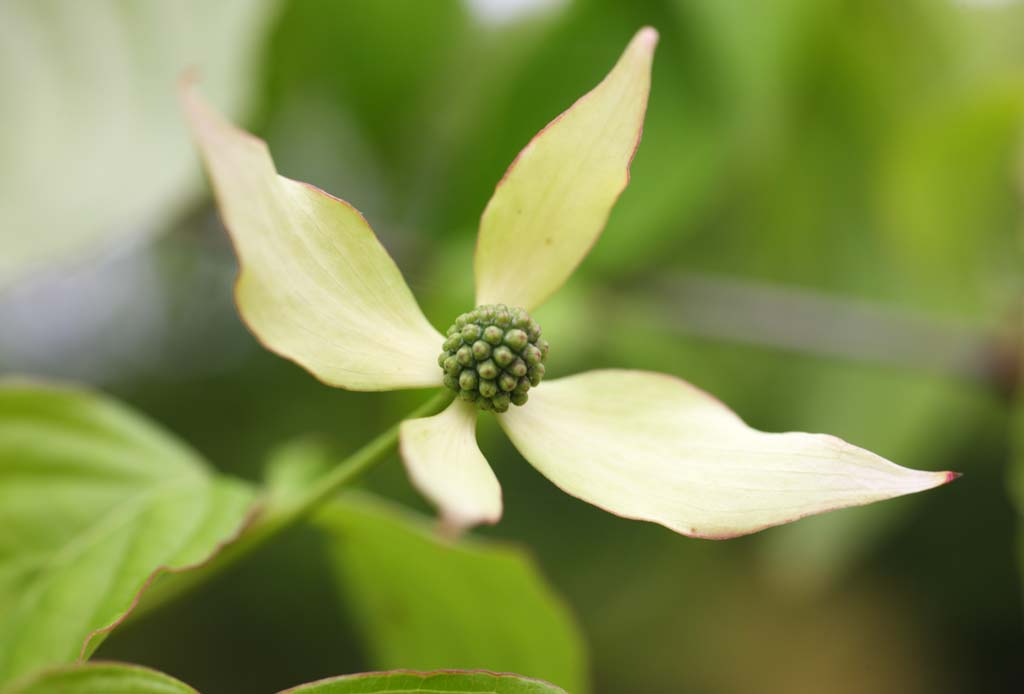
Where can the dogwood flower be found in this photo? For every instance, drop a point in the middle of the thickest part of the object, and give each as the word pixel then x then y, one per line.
pixel 316 287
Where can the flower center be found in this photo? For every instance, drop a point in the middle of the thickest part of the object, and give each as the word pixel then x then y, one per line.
pixel 492 355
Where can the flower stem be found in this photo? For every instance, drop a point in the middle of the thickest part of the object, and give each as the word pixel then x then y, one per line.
pixel 270 520
pixel 277 518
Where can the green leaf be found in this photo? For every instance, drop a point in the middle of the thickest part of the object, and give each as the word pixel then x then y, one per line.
pixel 94 503
pixel 88 88
pixel 101 678
pixel 424 602
pixel 444 682
pixel 120 678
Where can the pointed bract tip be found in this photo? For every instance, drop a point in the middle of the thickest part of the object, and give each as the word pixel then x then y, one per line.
pixel 647 36
pixel 453 524
pixel 188 79
pixel 189 75
pixel 950 476
pixel 452 527
pixel 189 98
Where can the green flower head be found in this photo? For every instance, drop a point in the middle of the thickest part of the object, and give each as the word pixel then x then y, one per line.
pixel 492 356
pixel 317 287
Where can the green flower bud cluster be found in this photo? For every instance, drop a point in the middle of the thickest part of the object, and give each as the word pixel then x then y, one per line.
pixel 493 355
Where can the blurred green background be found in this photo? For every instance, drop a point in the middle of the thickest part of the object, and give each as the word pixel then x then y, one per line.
pixel 823 228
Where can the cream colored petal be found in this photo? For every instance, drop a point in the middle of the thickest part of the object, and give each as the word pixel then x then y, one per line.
pixel 315 285
pixel 554 200
pixel 652 447
pixel 445 464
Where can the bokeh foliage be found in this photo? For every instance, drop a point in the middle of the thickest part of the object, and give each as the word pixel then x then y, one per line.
pixel 863 154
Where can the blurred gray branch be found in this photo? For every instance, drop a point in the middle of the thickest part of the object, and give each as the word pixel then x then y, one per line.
pixel 810 322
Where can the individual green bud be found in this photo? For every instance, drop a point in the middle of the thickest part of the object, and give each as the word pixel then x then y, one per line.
pixel 451 366
pixel 516 339
pixel 471 333
pixel 507 381
pixel 532 355
pixel 522 386
pixel 488 389
pixel 485 403
pixel 534 331
pixel 450 382
pixel 469 395
pixel 544 347
pixel 488 370
pixel 503 356
pixel 467 380
pixel 481 350
pixel 464 356
pixel 536 374
pixel 493 334
pixel 519 398
pixel 460 322
pixel 501 402
pixel 452 343
pixel 440 359
pixel 518 368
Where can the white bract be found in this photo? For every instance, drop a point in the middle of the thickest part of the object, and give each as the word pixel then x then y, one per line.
pixel 317 287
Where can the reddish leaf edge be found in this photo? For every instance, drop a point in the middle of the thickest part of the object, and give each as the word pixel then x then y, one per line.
pixel 422 673
pixel 251 516
pixel 30 678
pixel 27 680
pixel 188 89
pixel 258 506
pixel 464 541
pixel 652 36
pixel 696 534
